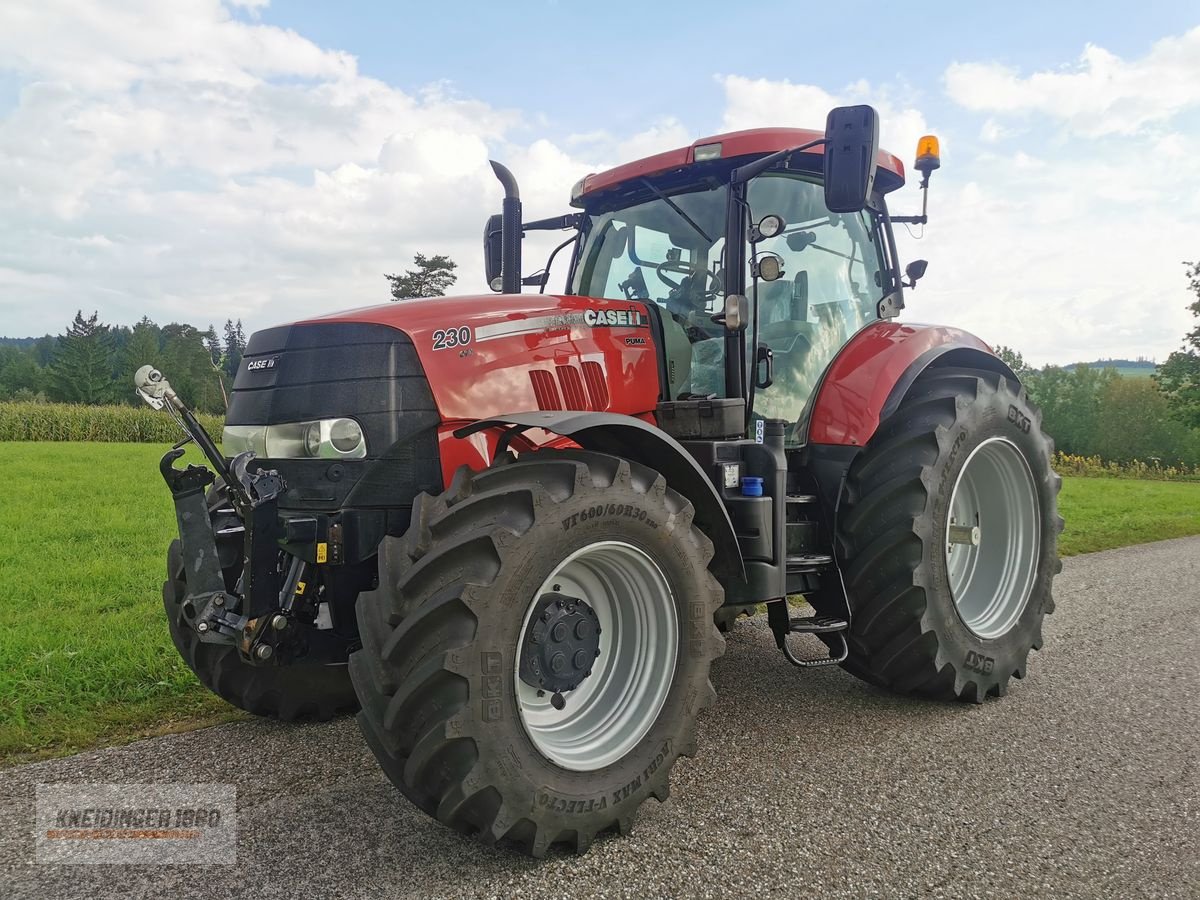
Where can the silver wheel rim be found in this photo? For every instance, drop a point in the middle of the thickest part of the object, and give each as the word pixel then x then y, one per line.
pixel 991 580
pixel 613 708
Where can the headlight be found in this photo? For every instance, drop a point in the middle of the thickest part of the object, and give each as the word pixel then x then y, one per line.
pixel 322 439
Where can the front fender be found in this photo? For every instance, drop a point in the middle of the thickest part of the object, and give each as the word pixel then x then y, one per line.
pixel 870 376
pixel 634 439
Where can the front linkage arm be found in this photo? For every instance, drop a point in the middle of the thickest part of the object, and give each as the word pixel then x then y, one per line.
pixel 218 615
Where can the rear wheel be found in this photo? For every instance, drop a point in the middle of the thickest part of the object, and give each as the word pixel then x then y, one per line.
pixel 293 692
pixel 538 648
pixel 948 539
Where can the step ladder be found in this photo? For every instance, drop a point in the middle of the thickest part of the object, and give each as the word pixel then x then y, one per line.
pixel 816 625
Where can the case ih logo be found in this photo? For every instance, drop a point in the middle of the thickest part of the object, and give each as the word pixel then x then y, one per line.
pixel 607 318
pixel 256 365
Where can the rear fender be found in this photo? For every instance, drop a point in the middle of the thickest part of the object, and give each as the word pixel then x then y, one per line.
pixel 639 441
pixel 871 375
pixel 845 416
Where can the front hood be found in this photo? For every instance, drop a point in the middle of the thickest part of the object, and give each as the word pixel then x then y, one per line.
pixel 491 354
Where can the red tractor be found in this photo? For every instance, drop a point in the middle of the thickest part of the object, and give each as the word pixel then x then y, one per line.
pixel 506 528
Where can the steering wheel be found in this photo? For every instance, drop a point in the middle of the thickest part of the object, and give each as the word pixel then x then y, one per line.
pixel 679 266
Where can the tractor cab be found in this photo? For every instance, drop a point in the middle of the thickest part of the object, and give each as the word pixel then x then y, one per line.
pixel 754 284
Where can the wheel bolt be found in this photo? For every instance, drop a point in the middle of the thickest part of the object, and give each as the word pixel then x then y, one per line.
pixel 560 632
pixel 558 662
pixel 581 659
pixel 582 629
pixel 202 627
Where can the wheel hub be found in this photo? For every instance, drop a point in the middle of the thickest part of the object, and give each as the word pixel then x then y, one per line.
pixel 562 640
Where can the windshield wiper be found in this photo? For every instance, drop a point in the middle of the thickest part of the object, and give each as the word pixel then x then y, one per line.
pixel 675 206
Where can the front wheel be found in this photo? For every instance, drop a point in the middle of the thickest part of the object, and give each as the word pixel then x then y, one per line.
pixel 538 648
pixel 948 539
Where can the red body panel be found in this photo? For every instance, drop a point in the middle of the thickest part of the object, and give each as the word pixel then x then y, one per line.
pixel 525 352
pixel 733 143
pixel 861 377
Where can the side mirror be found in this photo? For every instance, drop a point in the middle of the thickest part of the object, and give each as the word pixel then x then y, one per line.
pixel 493 251
pixel 914 270
pixel 736 314
pixel 852 135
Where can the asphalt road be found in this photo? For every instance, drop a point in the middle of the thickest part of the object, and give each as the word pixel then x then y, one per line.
pixel 1082 782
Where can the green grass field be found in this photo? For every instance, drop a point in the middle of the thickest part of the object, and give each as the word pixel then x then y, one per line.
pixel 84 652
pixel 85 657
pixel 1103 513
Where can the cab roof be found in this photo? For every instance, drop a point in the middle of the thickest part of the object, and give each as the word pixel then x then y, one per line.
pixel 752 142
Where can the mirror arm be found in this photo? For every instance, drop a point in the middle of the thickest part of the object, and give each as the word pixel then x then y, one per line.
pixel 744 173
pixel 555 223
pixel 545 277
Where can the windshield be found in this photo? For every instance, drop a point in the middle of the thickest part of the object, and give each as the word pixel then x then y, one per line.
pixel 669 250
pixel 666 250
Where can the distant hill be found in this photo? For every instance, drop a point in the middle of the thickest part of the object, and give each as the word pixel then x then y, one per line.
pixel 1132 367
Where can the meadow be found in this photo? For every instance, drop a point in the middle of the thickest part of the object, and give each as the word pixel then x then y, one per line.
pixel 85 657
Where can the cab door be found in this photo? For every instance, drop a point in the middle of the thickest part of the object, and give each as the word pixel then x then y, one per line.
pixel 833 278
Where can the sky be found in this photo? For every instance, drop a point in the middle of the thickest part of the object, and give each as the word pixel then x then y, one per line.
pixel 198 160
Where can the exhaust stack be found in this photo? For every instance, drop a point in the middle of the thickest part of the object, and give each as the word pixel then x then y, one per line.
pixel 512 233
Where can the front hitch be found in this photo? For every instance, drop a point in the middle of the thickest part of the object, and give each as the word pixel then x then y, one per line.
pixel 210 610
pixel 217 614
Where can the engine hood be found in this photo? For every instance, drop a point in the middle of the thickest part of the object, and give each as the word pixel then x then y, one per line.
pixel 490 354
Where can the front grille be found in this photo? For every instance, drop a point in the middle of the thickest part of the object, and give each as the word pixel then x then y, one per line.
pixel 296 373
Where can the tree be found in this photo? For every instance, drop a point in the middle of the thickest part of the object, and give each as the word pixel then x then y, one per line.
pixel 430 278
pixel 213 346
pixel 82 368
pixel 1015 361
pixel 1133 423
pixel 19 374
pixel 142 348
pixel 1070 400
pixel 1179 376
pixel 190 369
pixel 235 346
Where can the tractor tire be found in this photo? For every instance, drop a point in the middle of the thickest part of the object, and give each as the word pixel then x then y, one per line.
pixel 940 613
pixel 449 706
pixel 290 693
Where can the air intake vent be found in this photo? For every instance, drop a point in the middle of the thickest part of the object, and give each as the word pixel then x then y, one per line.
pixel 545 390
pixel 597 388
pixel 587 391
pixel 572 387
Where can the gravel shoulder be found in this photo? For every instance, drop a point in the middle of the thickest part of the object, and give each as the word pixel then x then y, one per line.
pixel 1082 782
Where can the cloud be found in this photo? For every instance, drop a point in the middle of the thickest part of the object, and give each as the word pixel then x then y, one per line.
pixel 182 163
pixel 760 102
pixel 178 161
pixel 1066 252
pixel 1100 95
